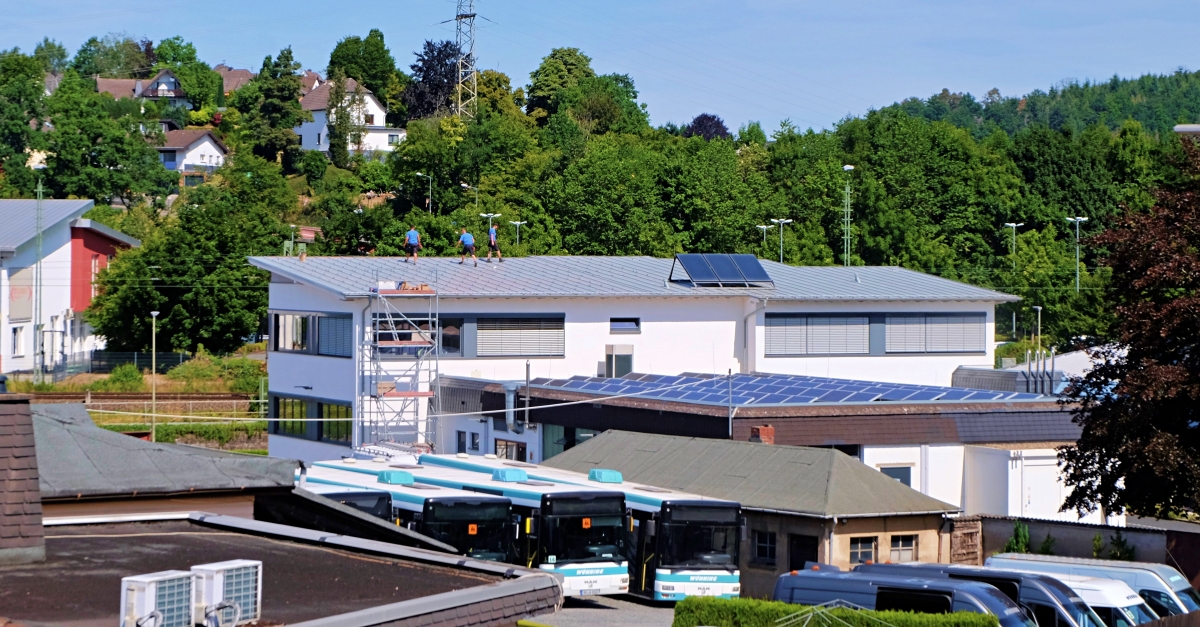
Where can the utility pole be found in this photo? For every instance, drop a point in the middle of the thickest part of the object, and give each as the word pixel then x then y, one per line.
pixel 846 219
pixel 39 354
pixel 464 99
pixel 1012 249
pixel 1077 220
pixel 1038 309
pixel 780 222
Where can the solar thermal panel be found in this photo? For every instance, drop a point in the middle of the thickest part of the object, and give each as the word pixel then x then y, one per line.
pixel 751 268
pixel 727 271
pixel 697 268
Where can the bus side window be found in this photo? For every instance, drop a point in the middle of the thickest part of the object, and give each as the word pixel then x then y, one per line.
pixel 1160 602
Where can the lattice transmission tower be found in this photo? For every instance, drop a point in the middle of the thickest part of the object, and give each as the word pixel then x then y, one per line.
pixel 464 100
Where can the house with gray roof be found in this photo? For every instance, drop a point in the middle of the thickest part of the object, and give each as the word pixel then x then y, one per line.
pixel 74 250
pixel 801 504
pixel 361 339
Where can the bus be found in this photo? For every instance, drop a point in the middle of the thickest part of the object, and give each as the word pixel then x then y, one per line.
pixel 576 532
pixel 680 544
pixel 480 526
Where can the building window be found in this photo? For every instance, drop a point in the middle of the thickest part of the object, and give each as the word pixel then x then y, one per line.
pixel 18 341
pixel 904 549
pixel 335 336
pixel 368 118
pixel 95 271
pixel 336 423
pixel 903 474
pixel 474 441
pixel 521 337
pixel 618 360
pixel 789 335
pixel 461 442
pixel 291 332
pixel 624 325
pixel 393 139
pixel 291 415
pixel 764 547
pixel 936 333
pixel 318 139
pixel 862 550
pixel 508 449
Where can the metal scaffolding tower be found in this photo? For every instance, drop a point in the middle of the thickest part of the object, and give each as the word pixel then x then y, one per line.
pixel 464 99
pixel 398 367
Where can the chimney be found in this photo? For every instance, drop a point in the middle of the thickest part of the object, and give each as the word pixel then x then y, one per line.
pixel 763 435
pixel 21 539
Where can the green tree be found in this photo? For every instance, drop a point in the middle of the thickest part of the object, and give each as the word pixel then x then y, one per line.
pixel 201 84
pixel 562 69
pixel 1019 542
pixel 21 114
pixel 270 107
pixel 367 61
pixel 51 55
pixel 117 55
pixel 339 119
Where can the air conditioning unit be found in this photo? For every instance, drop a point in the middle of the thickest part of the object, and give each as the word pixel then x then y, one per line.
pixel 235 581
pixel 162 599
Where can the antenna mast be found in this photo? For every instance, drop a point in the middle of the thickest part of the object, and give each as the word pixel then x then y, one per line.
pixel 464 101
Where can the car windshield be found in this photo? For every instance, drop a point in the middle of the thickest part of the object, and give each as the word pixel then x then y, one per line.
pixel 571 539
pixel 1190 599
pixel 1139 613
pixel 1083 615
pixel 1017 619
pixel 1162 603
pixel 698 545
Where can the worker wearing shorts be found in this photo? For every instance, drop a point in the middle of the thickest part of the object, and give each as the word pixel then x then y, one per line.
pixel 493 245
pixel 412 243
pixel 468 243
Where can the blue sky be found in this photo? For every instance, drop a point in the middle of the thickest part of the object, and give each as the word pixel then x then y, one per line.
pixel 810 62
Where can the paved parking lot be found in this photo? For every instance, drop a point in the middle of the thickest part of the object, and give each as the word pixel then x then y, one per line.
pixel 601 611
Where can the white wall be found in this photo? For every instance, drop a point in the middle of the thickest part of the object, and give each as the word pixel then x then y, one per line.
pixel 204 153
pixel 1036 490
pixel 985 481
pixel 376 137
pixel 56 300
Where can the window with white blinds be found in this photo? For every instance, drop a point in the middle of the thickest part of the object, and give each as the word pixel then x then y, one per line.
pixel 520 337
pixel 335 336
pixel 817 335
pixel 936 334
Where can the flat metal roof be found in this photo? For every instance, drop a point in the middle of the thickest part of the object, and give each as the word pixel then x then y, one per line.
pixel 567 276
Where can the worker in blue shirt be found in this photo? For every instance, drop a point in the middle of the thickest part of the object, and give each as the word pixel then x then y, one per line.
pixel 468 243
pixel 412 243
pixel 493 245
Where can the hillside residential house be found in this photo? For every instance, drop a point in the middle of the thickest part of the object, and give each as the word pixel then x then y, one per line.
pixel 801 504
pixel 378 136
pixel 309 81
pixel 74 250
pixel 195 154
pixel 162 87
pixel 233 78
pixel 589 316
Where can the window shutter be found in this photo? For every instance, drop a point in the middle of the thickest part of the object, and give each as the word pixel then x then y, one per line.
pixel 520 337
pixel 839 336
pixel 335 336
pixel 786 335
pixel 905 334
pixel 954 334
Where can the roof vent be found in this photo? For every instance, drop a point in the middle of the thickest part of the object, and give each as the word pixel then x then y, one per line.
pixel 395 477
pixel 603 475
pixel 711 270
pixel 510 475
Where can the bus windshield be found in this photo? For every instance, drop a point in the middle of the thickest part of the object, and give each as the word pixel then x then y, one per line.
pixel 699 545
pixel 481 530
pixel 571 539
pixel 378 504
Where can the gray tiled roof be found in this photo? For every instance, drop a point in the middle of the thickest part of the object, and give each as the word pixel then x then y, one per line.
pixel 808 481
pixel 75 457
pixel 19 218
pixel 615 276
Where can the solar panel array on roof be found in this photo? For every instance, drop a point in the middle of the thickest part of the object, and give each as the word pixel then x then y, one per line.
pixel 770 389
pixel 713 270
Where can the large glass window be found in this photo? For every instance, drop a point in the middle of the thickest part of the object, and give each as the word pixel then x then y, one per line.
pixel 336 422
pixel 291 414
pixel 291 332
pixel 764 547
pixel 797 335
pixel 862 550
pixel 508 449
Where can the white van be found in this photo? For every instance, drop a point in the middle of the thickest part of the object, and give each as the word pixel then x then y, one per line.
pixel 1112 600
pixel 1163 588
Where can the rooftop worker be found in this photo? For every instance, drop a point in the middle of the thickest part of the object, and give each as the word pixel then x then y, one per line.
pixel 468 243
pixel 412 243
pixel 493 245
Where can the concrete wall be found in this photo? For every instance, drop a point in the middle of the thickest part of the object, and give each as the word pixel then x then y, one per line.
pixel 1070 539
pixel 985 481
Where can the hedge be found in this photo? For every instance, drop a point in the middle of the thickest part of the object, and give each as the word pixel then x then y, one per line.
pixel 221 433
pixel 709 611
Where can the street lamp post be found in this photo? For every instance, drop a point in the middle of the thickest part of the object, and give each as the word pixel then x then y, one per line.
pixel 465 186
pixel 1038 309
pixel 489 217
pixel 153 374
pixel 846 219
pixel 428 199
pixel 1077 220
pixel 1012 249
pixel 780 222
pixel 764 228
pixel 518 225
pixel 39 351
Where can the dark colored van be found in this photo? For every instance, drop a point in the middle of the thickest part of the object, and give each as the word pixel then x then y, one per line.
pixel 1048 600
pixel 889 592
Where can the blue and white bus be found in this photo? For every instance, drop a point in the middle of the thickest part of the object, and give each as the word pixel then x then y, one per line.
pixel 680 544
pixel 575 531
pixel 480 526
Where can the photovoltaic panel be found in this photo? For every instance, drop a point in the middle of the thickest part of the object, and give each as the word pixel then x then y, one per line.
pixel 697 268
pixel 751 268
pixel 923 395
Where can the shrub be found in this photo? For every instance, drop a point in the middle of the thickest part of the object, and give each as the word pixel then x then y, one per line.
pixel 202 367
pixel 123 378
pixel 312 166
pixel 695 611
pixel 243 375
pixel 1019 542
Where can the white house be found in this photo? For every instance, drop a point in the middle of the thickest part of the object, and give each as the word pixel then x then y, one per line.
pixel 74 250
pixel 342 347
pixel 372 117
pixel 163 87
pixel 194 154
